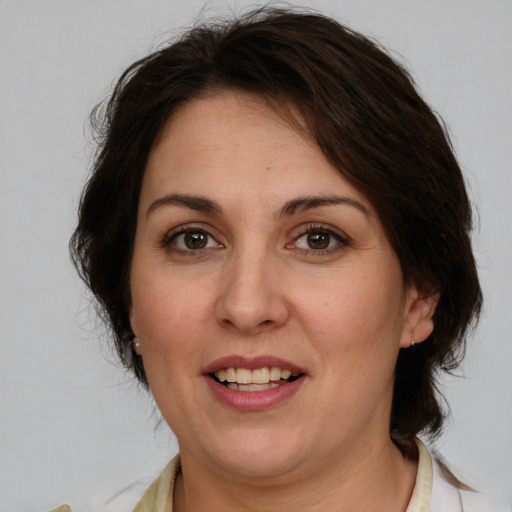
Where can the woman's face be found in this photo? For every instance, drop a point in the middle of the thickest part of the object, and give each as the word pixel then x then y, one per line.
pixel 253 260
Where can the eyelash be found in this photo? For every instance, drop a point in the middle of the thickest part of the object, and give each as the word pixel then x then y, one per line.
pixel 170 238
pixel 342 240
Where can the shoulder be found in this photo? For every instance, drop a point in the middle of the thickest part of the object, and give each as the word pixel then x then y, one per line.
pixel 447 496
pixel 156 498
pixel 438 490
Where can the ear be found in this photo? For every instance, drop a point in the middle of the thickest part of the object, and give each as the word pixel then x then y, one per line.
pixel 133 324
pixel 419 312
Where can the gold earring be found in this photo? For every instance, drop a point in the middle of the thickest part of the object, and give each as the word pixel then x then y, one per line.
pixel 412 341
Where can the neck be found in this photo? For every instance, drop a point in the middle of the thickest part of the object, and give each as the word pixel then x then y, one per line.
pixel 367 478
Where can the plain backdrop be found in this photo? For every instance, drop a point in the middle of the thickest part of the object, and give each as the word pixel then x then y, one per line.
pixel 73 427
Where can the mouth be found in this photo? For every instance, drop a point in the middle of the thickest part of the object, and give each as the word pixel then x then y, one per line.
pixel 260 379
pixel 254 383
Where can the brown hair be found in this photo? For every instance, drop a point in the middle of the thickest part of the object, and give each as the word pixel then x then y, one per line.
pixel 363 111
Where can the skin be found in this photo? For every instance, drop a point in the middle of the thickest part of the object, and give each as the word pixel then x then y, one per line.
pixel 258 287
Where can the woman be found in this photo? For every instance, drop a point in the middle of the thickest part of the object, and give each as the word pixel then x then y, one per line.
pixel 278 233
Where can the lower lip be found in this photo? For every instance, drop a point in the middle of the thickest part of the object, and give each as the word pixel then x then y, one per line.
pixel 254 400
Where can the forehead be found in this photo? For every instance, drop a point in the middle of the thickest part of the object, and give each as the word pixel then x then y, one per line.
pixel 233 145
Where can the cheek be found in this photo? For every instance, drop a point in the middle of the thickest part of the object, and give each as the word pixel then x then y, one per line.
pixel 349 305
pixel 354 320
pixel 168 315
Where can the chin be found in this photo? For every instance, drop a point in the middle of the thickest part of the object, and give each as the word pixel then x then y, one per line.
pixel 259 454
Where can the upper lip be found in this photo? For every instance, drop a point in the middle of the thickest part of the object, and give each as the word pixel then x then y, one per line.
pixel 251 363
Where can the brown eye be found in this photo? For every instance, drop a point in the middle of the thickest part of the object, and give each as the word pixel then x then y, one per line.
pixel 318 240
pixel 195 240
pixel 192 240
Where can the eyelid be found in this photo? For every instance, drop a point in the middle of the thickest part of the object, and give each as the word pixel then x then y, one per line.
pixel 310 227
pixel 187 228
pixel 343 239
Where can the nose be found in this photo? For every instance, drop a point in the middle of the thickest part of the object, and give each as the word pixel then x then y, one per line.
pixel 251 298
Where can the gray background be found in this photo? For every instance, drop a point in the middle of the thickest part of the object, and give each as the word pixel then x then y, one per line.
pixel 73 428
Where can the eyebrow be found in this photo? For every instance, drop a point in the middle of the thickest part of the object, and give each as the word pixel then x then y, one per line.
pixel 292 207
pixel 198 203
pixel 302 204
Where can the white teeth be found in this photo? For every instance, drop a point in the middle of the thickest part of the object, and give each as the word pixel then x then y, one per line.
pixel 258 377
pixel 230 375
pixel 243 376
pixel 252 387
pixel 261 376
pixel 275 374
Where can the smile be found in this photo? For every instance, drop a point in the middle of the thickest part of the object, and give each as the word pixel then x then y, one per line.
pixel 260 379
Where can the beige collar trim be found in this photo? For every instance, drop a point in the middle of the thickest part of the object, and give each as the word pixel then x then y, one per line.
pixel 420 499
pixel 158 498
